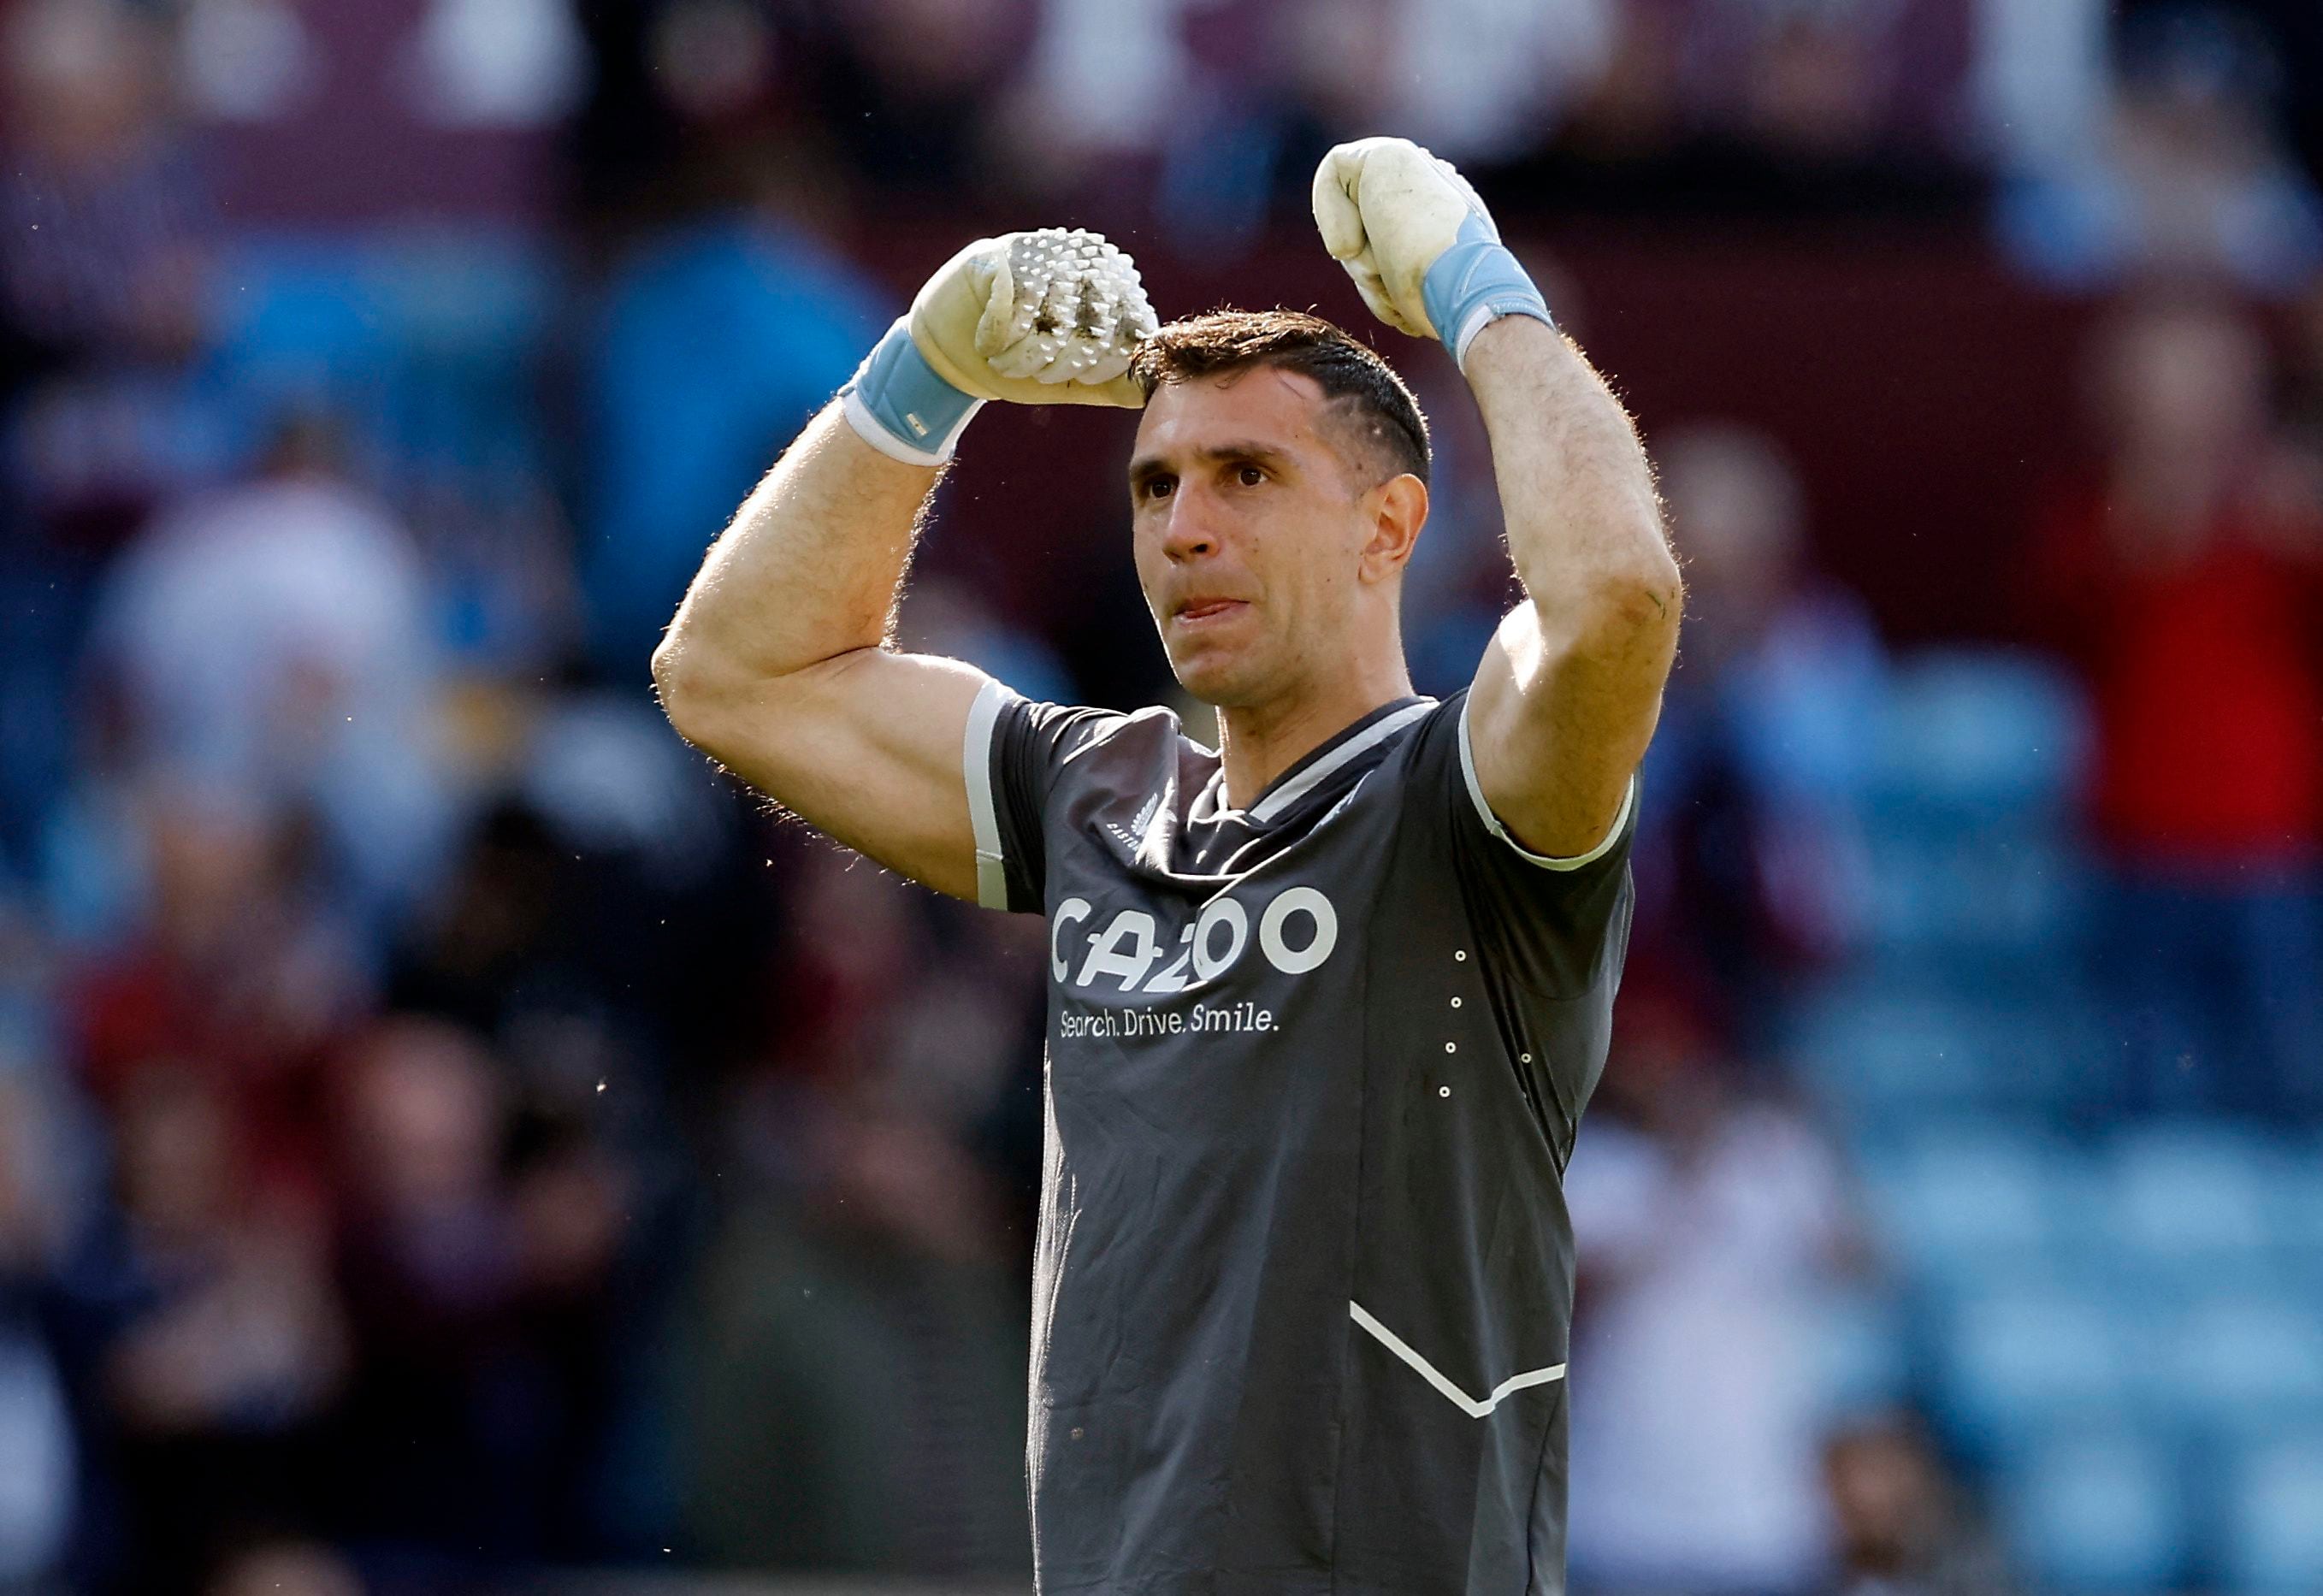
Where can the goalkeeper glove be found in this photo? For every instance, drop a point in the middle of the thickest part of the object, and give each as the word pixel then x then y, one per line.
pixel 1420 243
pixel 1042 318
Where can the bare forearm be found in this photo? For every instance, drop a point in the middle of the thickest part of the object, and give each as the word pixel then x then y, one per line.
pixel 1578 495
pixel 807 570
pixel 1566 698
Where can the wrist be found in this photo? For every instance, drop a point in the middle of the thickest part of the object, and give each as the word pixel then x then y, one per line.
pixel 1473 284
pixel 899 405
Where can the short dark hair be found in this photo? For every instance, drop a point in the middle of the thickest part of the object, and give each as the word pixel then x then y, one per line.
pixel 1351 374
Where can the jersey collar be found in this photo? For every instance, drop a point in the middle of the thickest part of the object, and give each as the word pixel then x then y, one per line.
pixel 1315 766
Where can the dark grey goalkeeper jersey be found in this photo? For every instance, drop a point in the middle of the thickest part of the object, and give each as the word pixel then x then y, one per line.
pixel 1304 1271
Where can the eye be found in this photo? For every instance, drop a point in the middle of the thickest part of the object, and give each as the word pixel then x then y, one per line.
pixel 1250 476
pixel 1156 487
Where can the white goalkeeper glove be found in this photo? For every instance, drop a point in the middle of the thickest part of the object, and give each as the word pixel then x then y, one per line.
pixel 1420 243
pixel 1041 318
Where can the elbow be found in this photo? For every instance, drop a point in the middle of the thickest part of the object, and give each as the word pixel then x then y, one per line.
pixel 1641 597
pixel 726 706
pixel 666 673
pixel 690 690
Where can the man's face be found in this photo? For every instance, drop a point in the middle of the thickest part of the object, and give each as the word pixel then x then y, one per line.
pixel 1257 529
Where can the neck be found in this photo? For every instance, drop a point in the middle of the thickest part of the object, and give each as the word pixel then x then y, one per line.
pixel 1259 742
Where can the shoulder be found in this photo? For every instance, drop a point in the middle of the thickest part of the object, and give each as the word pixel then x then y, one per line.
pixel 1155 729
pixel 1067 732
pixel 1085 747
pixel 1440 775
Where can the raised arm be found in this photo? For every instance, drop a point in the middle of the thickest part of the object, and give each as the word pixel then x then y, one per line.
pixel 780 663
pixel 1568 691
pixel 1567 696
pixel 778 666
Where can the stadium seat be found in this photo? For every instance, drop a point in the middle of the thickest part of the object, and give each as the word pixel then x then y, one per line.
pixel 2295 1200
pixel 2272 1542
pixel 2020 1361
pixel 1862 1358
pixel 305 317
pixel 2236 1364
pixel 2097 1511
pixel 1978 735
pixel 1944 895
pixel 1969 1204
pixel 2189 1202
pixel 425 338
pixel 471 308
pixel 1881 1047
pixel 1886 1056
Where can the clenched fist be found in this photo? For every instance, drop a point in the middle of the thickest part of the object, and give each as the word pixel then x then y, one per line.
pixel 1045 317
pixel 1419 241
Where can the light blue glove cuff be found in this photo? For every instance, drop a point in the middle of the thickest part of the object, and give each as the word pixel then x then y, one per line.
pixel 899 406
pixel 1473 282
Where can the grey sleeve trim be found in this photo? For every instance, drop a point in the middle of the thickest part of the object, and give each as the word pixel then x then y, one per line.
pixel 1492 821
pixel 983 818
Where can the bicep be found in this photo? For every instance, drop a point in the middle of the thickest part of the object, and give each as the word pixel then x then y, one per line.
pixel 870 749
pixel 1557 725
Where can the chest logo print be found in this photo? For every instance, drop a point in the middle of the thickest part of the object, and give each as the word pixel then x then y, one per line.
pixel 1297 932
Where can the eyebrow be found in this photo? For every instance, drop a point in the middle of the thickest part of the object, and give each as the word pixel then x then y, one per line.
pixel 1147 466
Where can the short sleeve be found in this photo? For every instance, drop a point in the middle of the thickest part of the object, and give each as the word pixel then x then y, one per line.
pixel 1014 751
pixel 1551 922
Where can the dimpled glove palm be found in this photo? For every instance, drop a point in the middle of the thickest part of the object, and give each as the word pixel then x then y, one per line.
pixel 1039 318
pixel 1420 243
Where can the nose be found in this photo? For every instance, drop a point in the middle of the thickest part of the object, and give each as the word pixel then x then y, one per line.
pixel 1189 534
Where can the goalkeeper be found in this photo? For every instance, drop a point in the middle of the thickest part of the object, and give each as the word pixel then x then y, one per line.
pixel 1327 1002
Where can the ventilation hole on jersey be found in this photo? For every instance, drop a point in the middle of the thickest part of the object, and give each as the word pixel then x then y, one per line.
pixel 1461 954
pixel 1444 1091
pixel 1451 1047
pixel 1456 1002
pixel 1524 1058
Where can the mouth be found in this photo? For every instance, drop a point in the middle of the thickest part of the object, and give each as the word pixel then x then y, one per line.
pixel 1201 611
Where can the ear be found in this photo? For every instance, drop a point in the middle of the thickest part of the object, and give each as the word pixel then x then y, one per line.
pixel 1398 508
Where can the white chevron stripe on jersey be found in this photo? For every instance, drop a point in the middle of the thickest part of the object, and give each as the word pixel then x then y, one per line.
pixel 1429 1371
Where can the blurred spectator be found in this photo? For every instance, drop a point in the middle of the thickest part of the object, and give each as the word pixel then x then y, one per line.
pixel 457 1056
pixel 1900 1527
pixel 905 87
pixel 2185 579
pixel 105 235
pixel 716 341
pixel 1758 105
pixel 39 1452
pixel 855 1378
pixel 1760 764
pixel 1103 79
pixel 1712 1222
pixel 232 971
pixel 476 1253
pixel 104 226
pixel 212 1340
pixel 2042 84
pixel 854 1367
pixel 105 238
pixel 2187 177
pixel 273 636
pixel 331 114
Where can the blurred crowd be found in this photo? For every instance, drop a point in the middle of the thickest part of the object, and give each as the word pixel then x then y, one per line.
pixel 446 1129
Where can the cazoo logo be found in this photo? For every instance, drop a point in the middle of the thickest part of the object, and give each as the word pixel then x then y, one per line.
pixel 1295 933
